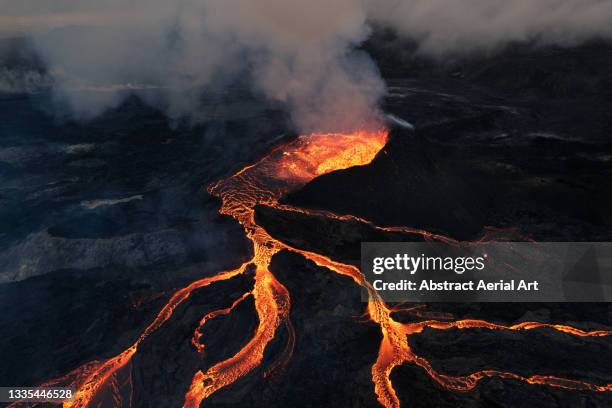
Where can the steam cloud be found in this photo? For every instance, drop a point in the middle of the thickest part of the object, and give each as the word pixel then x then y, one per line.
pixel 298 52
pixel 456 26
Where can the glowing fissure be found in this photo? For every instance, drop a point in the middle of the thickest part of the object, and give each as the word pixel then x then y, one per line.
pixel 197 334
pixel 284 169
pixel 280 171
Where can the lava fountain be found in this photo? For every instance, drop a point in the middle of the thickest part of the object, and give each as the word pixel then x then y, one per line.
pixel 284 169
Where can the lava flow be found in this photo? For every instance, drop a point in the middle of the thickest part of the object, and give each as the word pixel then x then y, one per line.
pixel 284 169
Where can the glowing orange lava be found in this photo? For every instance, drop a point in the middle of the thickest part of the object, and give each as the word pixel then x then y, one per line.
pixel 284 169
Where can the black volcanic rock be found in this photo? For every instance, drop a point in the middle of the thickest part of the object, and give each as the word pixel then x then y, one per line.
pixel 122 190
pixel 478 161
pixel 412 388
pixel 101 317
pixel 104 220
pixel 170 354
pixel 537 70
pixel 459 352
pixel 334 346
pixel 411 182
pixel 336 238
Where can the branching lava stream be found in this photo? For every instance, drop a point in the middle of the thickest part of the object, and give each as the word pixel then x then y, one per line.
pixel 284 169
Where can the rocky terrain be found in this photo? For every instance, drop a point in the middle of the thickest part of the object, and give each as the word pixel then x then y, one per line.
pixel 101 221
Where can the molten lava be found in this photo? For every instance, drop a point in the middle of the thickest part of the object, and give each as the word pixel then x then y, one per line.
pixel 284 169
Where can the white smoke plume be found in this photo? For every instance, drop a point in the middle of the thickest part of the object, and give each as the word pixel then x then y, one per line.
pixel 442 27
pixel 302 53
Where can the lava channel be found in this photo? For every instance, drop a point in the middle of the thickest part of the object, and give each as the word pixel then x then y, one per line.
pixel 286 168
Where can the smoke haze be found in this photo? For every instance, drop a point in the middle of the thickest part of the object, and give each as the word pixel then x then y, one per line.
pixel 442 27
pixel 303 54
pixel 299 53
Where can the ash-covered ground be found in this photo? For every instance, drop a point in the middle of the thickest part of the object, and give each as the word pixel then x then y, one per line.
pixel 101 221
